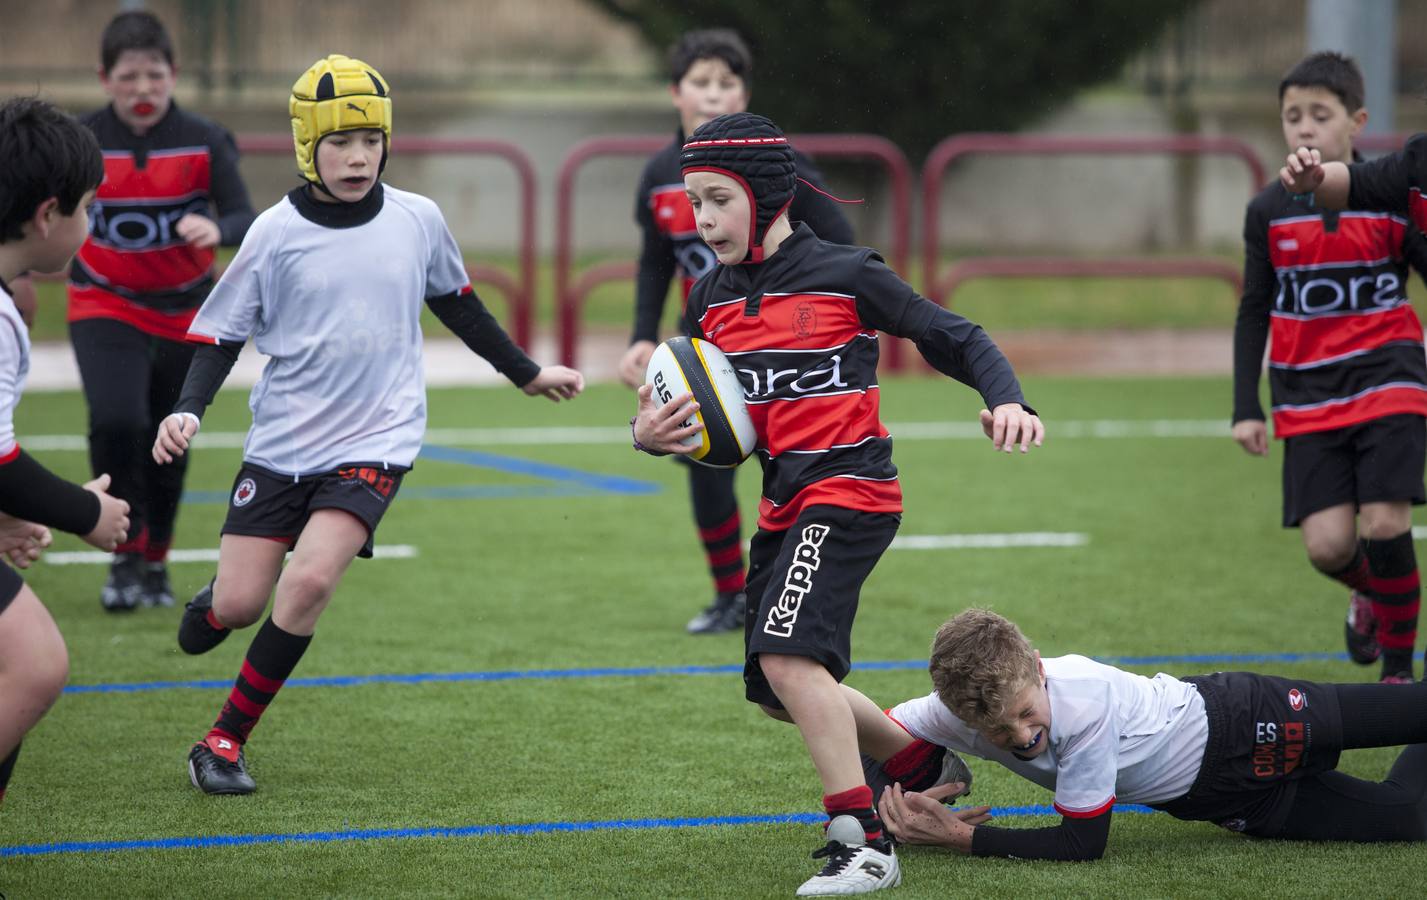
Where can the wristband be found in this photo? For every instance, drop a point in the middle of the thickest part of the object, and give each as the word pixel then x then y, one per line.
pixel 1306 199
pixel 640 447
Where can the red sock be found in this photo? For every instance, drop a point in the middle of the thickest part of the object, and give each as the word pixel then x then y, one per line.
pixel 856 802
pixel 271 658
pixel 135 544
pixel 917 766
pixel 156 551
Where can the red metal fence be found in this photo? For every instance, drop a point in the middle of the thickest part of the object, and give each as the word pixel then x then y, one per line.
pixel 570 295
pixel 939 287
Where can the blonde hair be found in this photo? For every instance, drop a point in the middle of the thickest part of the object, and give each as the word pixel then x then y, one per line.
pixel 979 662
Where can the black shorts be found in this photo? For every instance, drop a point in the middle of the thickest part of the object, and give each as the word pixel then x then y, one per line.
pixel 10 584
pixel 1375 462
pixel 803 585
pixel 266 504
pixel 1265 733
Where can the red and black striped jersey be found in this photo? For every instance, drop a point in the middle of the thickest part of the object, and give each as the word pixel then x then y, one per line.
pixel 135 267
pixel 801 328
pixel 1328 292
pixel 670 242
pixel 1393 183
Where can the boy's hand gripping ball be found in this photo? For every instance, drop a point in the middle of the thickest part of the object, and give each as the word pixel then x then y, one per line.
pixel 684 365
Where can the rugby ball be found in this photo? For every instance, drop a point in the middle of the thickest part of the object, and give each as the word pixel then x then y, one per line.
pixel 685 365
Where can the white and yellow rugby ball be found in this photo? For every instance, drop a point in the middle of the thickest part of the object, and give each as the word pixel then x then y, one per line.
pixel 685 365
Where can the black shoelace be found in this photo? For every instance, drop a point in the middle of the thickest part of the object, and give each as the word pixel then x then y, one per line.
pixel 839 855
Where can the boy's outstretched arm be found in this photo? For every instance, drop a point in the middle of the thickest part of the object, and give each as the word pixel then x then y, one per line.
pixel 920 818
pixel 954 346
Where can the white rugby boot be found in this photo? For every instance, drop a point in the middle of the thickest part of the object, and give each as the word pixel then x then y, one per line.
pixel 853 865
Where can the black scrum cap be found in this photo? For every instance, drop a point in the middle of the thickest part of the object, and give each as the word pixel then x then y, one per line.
pixel 754 152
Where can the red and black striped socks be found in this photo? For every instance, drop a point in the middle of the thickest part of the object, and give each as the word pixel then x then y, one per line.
pixel 858 803
pixel 1396 593
pixel 271 658
pixel 724 551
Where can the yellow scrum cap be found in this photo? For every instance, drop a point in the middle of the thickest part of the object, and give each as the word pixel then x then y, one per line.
pixel 337 94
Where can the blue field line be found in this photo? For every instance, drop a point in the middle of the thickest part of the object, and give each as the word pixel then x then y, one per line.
pixel 1211 659
pixel 200 842
pixel 568 482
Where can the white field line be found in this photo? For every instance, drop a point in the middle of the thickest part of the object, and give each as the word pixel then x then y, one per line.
pixel 990 541
pixel 97 557
pixel 901 431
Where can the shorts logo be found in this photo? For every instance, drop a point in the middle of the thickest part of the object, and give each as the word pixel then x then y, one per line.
pixel 247 490
pixel 1297 699
pixel 797 583
pixel 1279 747
pixel 373 478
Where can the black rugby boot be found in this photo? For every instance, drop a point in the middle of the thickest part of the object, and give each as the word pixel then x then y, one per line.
pixel 195 633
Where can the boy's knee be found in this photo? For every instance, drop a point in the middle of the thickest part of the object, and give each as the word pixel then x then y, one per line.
pixel 43 676
pixel 306 585
pixel 774 712
pixel 1330 555
pixel 236 604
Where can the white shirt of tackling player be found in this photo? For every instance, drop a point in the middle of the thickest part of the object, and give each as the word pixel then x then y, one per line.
pixel 14 368
pixel 338 310
pixel 1114 736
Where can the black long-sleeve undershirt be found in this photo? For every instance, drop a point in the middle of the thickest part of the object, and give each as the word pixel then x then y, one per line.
pixel 467 318
pixel 1073 840
pixel 31 492
pixel 206 374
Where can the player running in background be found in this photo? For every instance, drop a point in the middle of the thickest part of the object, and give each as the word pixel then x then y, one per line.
pixel 1346 370
pixel 330 282
pixel 1251 753
pixel 52 167
pixel 800 317
pixel 710 74
pixel 171 194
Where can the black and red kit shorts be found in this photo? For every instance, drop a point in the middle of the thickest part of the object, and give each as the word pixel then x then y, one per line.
pixel 1374 462
pixel 1265 734
pixel 268 504
pixel 803 586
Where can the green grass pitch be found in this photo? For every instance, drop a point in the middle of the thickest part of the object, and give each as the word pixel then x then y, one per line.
pixel 1184 556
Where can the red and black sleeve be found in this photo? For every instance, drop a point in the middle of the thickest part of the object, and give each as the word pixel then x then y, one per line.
pixel 656 266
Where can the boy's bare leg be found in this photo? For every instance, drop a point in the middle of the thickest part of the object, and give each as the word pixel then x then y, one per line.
pixel 34 666
pixel 1331 537
pixel 247 569
pixel 820 710
pixel 329 542
pixel 877 735
pixel 1384 521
